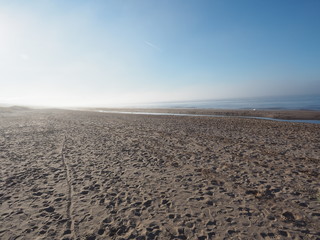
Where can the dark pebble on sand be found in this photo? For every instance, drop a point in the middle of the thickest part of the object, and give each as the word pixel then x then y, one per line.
pixel 283 233
pixel 147 203
pixel 49 209
pixel 288 216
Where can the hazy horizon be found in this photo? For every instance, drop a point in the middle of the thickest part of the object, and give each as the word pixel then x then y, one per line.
pixel 111 53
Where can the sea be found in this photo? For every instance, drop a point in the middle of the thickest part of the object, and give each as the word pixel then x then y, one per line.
pixel 310 102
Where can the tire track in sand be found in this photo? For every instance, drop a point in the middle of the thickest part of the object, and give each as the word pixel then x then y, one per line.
pixel 70 224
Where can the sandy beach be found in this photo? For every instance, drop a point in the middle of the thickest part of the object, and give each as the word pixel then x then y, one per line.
pixel 90 175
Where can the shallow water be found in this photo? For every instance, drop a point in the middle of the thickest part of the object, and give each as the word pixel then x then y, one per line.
pixel 207 115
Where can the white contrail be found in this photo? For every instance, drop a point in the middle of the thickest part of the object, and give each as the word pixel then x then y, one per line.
pixel 152 45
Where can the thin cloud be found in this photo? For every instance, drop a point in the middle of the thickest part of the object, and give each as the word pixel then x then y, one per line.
pixel 152 45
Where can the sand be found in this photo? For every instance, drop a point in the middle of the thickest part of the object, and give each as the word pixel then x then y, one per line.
pixel 87 175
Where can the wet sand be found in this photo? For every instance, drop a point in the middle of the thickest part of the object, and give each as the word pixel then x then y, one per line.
pixel 87 175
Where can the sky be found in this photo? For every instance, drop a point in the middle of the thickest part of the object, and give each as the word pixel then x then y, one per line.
pixel 113 52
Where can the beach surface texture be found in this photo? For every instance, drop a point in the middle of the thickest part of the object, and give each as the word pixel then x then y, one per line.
pixel 92 175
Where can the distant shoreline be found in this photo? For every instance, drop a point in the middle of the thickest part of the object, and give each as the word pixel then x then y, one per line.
pixel 279 115
pixel 301 103
pixel 259 114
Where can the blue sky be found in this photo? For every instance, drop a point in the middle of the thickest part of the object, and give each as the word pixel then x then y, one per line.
pixel 106 53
